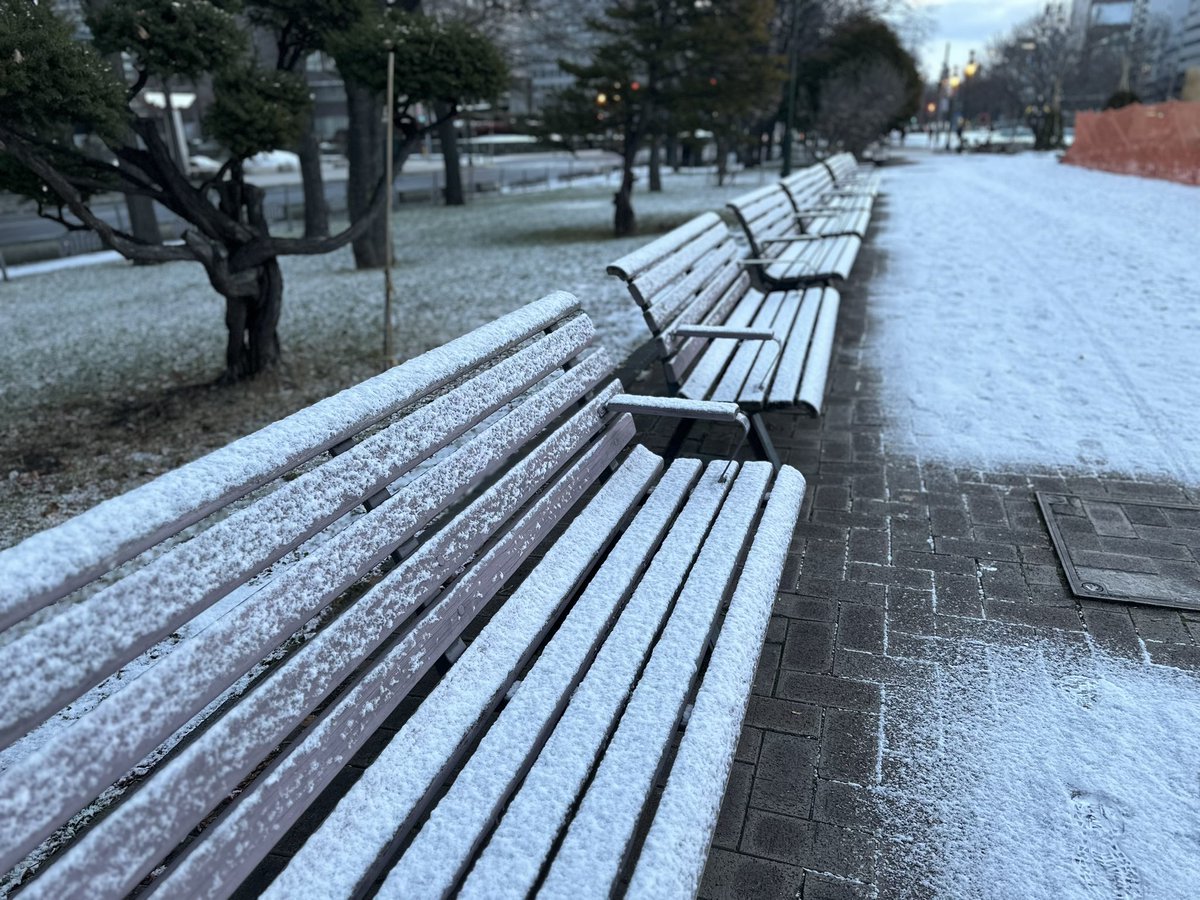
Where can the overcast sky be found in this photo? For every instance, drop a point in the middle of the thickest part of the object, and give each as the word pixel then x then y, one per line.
pixel 968 25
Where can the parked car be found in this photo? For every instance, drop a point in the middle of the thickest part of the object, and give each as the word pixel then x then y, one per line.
pixel 199 164
pixel 272 161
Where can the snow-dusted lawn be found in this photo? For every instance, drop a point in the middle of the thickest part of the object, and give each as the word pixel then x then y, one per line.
pixel 102 368
pixel 1033 314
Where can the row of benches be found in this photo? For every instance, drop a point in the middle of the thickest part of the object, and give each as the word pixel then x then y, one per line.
pixel 446 632
pixel 756 327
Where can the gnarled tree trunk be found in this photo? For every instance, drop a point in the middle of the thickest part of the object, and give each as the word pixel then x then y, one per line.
pixel 253 321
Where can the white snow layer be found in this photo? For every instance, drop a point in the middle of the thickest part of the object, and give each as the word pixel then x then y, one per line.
pixel 1050 775
pixel 1032 314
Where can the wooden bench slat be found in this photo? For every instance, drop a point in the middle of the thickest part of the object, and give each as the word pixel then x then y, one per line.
pixel 114 856
pixel 737 374
pixel 232 846
pixel 651 283
pixel 788 376
pixel 594 849
pixel 59 659
pixel 753 392
pixel 86 757
pixel 702 280
pixel 671 862
pixel 441 852
pixel 811 391
pixel 378 805
pixel 716 354
pixel 633 264
pixel 51 564
pixel 510 863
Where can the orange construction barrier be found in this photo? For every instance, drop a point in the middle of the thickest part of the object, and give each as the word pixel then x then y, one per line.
pixel 1158 141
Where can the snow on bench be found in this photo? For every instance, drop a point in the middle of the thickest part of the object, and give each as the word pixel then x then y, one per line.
pixel 851 177
pixel 721 339
pixel 784 256
pixel 821 208
pixel 302 618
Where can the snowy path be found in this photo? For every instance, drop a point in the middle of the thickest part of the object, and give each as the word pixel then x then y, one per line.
pixel 1037 315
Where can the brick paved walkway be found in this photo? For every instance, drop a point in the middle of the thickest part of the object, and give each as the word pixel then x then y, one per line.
pixel 895 568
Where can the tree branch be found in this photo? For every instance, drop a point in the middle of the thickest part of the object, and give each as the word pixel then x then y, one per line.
pixel 130 249
pixel 260 251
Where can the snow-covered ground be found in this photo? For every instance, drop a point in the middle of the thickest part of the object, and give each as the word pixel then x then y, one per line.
pixel 102 368
pixel 1047 774
pixel 1032 314
pixel 1033 317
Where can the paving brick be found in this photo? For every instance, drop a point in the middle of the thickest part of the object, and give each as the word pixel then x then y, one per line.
pixel 935 562
pixel 847 852
pixel 785 775
pixel 1158 624
pixel 1181 656
pixel 826 690
pixel 1112 629
pixel 844 803
pixel 749 743
pixel 860 627
pixel 868 546
pixel 849 745
pixel 768 667
pixel 783 716
pixel 819 886
pixel 981 550
pixel 735 876
pixel 733 806
pixel 791 606
pixel 809 646
pixel 778 837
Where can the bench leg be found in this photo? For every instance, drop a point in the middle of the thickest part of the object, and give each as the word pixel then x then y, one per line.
pixel 682 430
pixel 760 439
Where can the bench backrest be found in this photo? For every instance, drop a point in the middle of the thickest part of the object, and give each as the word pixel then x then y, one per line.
pixel 689 276
pixel 242 628
pixel 841 165
pixel 806 186
pixel 765 215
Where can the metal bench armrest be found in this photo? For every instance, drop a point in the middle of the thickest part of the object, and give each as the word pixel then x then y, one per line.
pixel 725 331
pixel 680 408
pixel 795 239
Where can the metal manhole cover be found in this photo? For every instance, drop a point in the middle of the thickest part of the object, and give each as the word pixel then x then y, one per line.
pixel 1126 550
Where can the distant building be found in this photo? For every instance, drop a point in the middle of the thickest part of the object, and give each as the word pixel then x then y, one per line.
pixel 73 12
pixel 1149 36
pixel 1189 42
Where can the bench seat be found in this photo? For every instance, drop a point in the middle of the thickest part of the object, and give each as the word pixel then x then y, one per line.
pixel 821 208
pixel 720 338
pixel 852 177
pixel 197 671
pixel 783 256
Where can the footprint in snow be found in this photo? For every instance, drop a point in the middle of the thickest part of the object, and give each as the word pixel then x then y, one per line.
pixel 1103 867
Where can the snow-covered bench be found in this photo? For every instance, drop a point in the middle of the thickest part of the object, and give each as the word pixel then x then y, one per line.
pixel 783 255
pixel 719 338
pixel 821 208
pixel 848 175
pixel 174 716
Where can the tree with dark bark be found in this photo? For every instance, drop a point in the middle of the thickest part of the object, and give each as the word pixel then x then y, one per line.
pixel 299 28
pixel 731 80
pixel 70 130
pixel 439 66
pixel 1035 60
pixel 633 69
pixel 859 85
